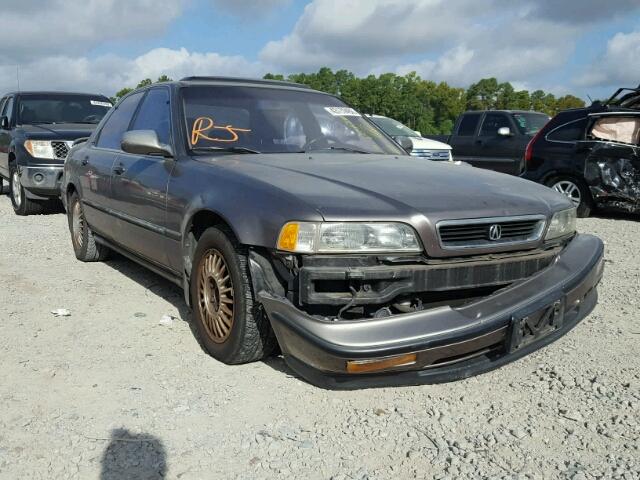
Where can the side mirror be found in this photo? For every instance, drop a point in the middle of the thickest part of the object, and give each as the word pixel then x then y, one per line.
pixel 405 143
pixel 144 142
pixel 504 132
pixel 418 133
pixel 4 123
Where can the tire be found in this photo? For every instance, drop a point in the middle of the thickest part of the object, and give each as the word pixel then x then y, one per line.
pixel 82 239
pixel 576 190
pixel 22 205
pixel 229 323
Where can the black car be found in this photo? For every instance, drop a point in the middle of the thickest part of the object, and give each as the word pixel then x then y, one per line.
pixel 37 130
pixel 493 139
pixel 558 155
pixel 288 217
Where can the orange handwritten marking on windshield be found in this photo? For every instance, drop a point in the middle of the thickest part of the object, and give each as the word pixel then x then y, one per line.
pixel 204 124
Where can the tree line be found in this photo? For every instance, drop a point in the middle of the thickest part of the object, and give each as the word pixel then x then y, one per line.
pixel 424 105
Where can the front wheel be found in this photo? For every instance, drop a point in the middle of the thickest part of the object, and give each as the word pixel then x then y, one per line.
pixel 576 191
pixel 228 321
pixel 84 244
pixel 22 205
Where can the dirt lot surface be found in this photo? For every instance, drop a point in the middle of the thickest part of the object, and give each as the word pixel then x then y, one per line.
pixel 113 392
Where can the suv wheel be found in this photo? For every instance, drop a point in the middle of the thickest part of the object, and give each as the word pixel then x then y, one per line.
pixel 84 244
pixel 21 204
pixel 229 323
pixel 576 191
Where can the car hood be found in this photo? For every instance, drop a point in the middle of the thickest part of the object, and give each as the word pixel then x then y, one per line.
pixel 428 144
pixel 377 187
pixel 58 131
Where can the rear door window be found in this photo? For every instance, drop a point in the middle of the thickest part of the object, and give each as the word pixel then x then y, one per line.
pixel 492 123
pixel 569 132
pixel 7 109
pixel 118 122
pixel 154 114
pixel 468 124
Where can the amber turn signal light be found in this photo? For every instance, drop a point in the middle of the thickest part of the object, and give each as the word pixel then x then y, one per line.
pixel 375 365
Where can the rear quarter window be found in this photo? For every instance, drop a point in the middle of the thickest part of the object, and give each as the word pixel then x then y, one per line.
pixel 569 132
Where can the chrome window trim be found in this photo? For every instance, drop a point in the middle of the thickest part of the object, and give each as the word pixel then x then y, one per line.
pixel 538 232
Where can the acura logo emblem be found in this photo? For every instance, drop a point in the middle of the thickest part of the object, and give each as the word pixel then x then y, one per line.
pixel 495 232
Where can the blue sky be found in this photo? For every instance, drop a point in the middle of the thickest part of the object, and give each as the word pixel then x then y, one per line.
pixel 586 47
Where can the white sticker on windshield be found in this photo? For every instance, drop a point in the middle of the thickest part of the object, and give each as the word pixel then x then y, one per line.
pixel 342 111
pixel 101 104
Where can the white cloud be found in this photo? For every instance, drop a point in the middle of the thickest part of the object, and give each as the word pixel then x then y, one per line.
pixel 618 66
pixel 48 27
pixel 108 74
pixel 247 8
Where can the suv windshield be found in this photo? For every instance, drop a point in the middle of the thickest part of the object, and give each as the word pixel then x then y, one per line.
pixel 530 123
pixel 64 108
pixel 276 120
pixel 392 127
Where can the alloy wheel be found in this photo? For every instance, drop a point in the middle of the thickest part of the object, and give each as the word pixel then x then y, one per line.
pixel 215 296
pixel 569 189
pixel 77 224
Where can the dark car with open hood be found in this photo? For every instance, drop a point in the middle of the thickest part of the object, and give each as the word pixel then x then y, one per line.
pixel 291 220
pixel 37 129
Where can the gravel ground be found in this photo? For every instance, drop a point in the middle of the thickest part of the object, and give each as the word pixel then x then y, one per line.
pixel 113 392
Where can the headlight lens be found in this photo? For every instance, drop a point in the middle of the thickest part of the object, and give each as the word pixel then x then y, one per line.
pixel 562 223
pixel 348 237
pixel 39 149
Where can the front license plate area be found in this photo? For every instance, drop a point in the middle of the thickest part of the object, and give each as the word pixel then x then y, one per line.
pixel 526 329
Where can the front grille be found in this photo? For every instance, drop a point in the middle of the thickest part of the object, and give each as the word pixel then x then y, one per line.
pixel 490 232
pixel 60 149
pixel 430 154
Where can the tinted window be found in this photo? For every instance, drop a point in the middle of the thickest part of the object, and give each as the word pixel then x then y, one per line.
pixel 154 114
pixel 7 110
pixel 65 108
pixel 468 124
pixel 2 105
pixel 118 122
pixel 492 122
pixel 569 132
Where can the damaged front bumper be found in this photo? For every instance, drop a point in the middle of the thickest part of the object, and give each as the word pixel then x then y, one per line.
pixel 443 343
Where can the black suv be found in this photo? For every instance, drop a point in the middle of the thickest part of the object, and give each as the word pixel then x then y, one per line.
pixel 559 154
pixel 37 130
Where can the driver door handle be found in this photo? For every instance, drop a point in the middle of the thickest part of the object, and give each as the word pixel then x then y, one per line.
pixel 85 161
pixel 118 169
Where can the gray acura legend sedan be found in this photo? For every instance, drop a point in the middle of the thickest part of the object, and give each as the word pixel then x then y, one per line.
pixel 291 220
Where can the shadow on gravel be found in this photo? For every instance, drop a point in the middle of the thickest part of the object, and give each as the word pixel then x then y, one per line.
pixel 613 215
pixel 134 456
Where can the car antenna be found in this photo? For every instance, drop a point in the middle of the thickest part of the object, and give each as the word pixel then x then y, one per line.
pixel 18 76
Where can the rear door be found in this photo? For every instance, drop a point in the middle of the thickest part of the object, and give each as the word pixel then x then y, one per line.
pixel 502 153
pixel 140 183
pixel 463 139
pixel 612 166
pixel 96 164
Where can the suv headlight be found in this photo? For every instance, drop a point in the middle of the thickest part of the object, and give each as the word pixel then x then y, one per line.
pixel 348 237
pixel 562 223
pixel 40 149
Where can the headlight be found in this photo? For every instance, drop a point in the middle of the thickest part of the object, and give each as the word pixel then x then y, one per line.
pixel 40 149
pixel 562 223
pixel 348 237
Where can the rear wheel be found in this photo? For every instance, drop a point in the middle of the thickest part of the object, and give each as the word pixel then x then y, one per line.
pixel 230 324
pixel 576 191
pixel 85 246
pixel 22 205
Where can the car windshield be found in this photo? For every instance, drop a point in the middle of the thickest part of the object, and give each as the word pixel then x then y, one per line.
pixel 55 108
pixel 277 120
pixel 393 127
pixel 530 123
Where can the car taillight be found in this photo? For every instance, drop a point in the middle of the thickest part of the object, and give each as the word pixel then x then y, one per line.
pixel 528 153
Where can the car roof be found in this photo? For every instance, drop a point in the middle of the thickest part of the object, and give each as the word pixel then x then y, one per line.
pixel 241 81
pixel 505 111
pixel 50 92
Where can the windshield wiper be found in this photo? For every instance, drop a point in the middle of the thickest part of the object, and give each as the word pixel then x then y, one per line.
pixel 225 149
pixel 345 149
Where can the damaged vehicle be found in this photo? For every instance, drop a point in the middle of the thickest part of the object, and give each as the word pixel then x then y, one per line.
pixel 559 155
pixel 291 220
